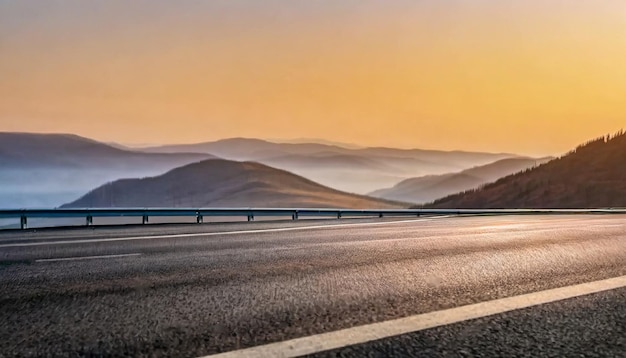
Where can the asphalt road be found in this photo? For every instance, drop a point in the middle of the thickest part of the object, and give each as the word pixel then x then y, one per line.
pixel 587 326
pixel 198 290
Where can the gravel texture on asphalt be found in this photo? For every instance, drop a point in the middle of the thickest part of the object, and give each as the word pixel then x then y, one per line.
pixel 192 296
pixel 586 326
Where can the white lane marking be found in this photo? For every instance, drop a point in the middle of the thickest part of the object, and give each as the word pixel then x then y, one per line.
pixel 240 232
pixel 86 258
pixel 362 334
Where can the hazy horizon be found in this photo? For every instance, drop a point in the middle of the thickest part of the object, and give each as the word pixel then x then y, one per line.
pixel 528 77
pixel 347 145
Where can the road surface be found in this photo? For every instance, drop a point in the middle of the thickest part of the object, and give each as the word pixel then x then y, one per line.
pixel 193 291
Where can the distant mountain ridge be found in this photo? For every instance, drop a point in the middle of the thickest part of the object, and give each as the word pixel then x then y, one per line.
pixel 251 148
pixel 362 170
pixel 23 150
pixel 318 141
pixel 224 183
pixel 428 188
pixel 46 170
pixel 591 176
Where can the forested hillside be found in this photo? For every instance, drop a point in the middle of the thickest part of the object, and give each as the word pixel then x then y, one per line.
pixel 592 175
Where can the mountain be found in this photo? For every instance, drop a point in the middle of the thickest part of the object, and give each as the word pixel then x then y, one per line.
pixel 357 170
pixel 430 187
pixel 317 140
pixel 254 149
pixel 43 170
pixel 346 172
pixel 247 148
pixel 30 150
pixel 224 183
pixel 591 176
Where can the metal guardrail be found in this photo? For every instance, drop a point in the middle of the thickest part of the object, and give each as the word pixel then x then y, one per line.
pixel 199 213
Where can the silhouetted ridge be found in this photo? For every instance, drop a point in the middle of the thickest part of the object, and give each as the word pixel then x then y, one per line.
pixel 428 188
pixel 591 176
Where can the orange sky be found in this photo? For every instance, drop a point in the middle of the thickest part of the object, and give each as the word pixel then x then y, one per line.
pixel 526 76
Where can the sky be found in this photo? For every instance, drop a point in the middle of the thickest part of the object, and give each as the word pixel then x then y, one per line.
pixel 526 76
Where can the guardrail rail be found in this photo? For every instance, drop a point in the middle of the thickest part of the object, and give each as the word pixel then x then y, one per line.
pixel 250 213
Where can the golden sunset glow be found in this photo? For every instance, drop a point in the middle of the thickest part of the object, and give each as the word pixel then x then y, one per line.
pixel 524 76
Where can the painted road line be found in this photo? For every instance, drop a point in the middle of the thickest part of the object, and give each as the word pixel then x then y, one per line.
pixel 362 334
pixel 87 258
pixel 240 232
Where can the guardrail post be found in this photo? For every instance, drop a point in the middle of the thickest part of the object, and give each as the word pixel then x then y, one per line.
pixel 380 215
pixel 294 216
pixel 23 222
pixel 199 218
pixel 89 220
pixel 339 215
pixel 250 217
pixel 144 219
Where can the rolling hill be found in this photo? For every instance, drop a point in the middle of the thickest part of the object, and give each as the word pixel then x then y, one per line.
pixel 428 188
pixel 317 140
pixel 254 149
pixel 43 170
pixel 246 148
pixel 347 172
pixel 357 170
pixel 30 150
pixel 224 183
pixel 591 176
